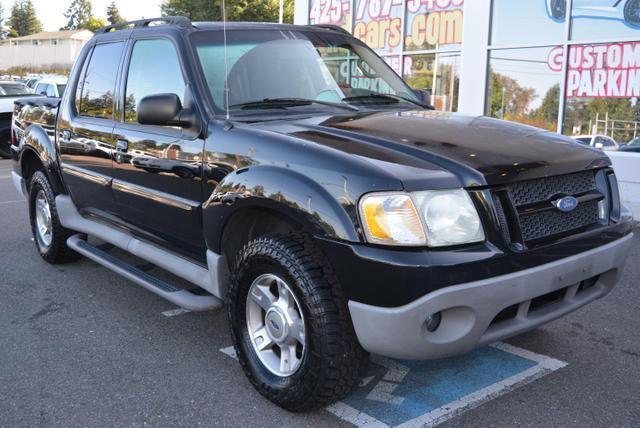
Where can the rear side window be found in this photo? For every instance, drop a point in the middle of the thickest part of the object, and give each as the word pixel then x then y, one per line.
pixel 154 69
pixel 95 91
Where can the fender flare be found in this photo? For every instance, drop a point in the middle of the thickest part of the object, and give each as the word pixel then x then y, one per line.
pixel 36 140
pixel 279 190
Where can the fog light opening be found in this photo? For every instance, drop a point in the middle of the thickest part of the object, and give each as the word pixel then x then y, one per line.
pixel 433 322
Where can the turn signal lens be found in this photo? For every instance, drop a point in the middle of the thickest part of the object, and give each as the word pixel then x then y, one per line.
pixel 391 219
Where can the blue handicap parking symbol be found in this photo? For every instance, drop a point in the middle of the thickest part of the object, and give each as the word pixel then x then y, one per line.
pixel 414 393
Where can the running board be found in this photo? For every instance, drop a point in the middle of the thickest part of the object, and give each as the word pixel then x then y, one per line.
pixel 211 278
pixel 170 292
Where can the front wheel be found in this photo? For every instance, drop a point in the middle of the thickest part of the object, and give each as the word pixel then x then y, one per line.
pixel 632 13
pixel 290 324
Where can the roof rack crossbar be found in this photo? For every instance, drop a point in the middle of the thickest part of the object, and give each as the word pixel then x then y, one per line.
pixel 332 27
pixel 180 21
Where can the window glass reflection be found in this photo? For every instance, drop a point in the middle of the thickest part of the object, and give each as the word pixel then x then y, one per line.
pixel 439 74
pixel 526 22
pixel 525 85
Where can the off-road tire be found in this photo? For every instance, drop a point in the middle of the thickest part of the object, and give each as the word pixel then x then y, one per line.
pixel 334 361
pixel 57 252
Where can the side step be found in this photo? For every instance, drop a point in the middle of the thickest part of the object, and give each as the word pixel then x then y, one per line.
pixel 176 295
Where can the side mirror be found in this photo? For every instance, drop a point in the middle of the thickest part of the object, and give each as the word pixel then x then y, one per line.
pixel 163 110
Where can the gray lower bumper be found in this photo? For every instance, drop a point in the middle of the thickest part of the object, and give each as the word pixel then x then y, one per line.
pixel 19 184
pixel 468 310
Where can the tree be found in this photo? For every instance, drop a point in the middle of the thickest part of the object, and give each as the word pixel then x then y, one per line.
pixel 113 14
pixel 23 20
pixel 78 13
pixel 196 10
pixel 237 10
pixel 94 23
pixel 259 10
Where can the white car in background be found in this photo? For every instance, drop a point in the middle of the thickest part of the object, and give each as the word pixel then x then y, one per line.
pixel 627 11
pixel 52 88
pixel 601 142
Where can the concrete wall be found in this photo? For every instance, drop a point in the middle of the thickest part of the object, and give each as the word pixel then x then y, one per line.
pixel 627 167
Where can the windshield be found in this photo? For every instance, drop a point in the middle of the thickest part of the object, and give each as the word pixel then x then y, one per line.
pixel 267 66
pixel 14 88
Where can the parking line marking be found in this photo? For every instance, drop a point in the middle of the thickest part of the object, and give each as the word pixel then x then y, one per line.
pixel 11 202
pixel 175 312
pixel 397 372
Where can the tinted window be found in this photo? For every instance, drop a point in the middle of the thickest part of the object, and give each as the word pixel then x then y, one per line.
pixel 96 89
pixel 586 140
pixel 154 69
pixel 608 142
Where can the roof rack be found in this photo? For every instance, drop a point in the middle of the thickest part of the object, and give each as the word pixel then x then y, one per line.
pixel 332 27
pixel 180 21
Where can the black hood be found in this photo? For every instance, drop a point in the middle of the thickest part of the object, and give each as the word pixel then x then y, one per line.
pixel 477 150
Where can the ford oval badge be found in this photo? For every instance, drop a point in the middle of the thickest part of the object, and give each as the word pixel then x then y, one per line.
pixel 566 204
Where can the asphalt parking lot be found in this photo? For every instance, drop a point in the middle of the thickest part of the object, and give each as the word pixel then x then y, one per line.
pixel 80 346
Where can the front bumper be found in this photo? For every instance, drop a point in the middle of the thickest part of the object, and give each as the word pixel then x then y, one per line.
pixel 485 311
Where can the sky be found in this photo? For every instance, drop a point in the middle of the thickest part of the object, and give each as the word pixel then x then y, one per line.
pixel 51 12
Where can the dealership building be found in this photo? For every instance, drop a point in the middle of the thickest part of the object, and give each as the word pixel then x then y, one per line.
pixel 567 66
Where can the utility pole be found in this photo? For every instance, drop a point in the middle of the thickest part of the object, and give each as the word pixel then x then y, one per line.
pixel 281 16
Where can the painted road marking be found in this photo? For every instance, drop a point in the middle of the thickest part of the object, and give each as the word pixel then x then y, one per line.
pixel 175 312
pixel 11 202
pixel 424 394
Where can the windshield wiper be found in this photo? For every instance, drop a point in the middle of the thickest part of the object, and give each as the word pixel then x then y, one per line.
pixel 392 99
pixel 288 102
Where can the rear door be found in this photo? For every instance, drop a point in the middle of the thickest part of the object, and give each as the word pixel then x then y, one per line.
pixel 158 169
pixel 85 130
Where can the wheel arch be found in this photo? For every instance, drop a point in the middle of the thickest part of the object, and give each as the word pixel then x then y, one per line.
pixel 38 152
pixel 265 199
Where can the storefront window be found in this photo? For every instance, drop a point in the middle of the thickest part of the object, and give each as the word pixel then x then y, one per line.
pixel 439 74
pixel 524 85
pixel 603 86
pixel 433 24
pixel 604 19
pixel 527 22
pixel 334 12
pixel 378 23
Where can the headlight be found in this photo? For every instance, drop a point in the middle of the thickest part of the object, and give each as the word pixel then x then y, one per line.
pixel 435 218
pixel 450 217
pixel 391 219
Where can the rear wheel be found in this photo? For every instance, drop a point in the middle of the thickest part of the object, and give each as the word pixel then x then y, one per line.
pixel 5 144
pixel 632 13
pixel 290 324
pixel 49 235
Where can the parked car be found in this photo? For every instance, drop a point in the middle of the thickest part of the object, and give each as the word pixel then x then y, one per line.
pixel 631 146
pixel 601 142
pixel 53 88
pixel 9 92
pixel 627 11
pixel 333 216
pixel 13 88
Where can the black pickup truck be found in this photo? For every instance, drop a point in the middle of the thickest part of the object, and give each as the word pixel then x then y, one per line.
pixel 288 172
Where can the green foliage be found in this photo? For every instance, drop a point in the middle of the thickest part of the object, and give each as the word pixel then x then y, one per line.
pixel 196 10
pixel 94 24
pixel 237 10
pixel 23 20
pixel 77 14
pixel 113 14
